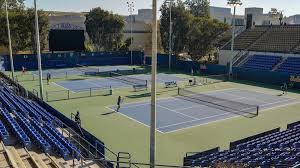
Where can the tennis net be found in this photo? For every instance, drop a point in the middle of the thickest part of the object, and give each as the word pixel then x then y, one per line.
pixel 231 106
pixel 87 69
pixel 127 79
pixel 210 79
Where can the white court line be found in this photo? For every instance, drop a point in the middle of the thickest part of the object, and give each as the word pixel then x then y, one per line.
pixel 206 118
pixel 62 87
pixel 174 97
pixel 199 105
pixel 174 111
pixel 194 120
pixel 259 100
pixel 274 103
pixel 133 119
pixel 235 116
pixel 93 83
pixel 211 122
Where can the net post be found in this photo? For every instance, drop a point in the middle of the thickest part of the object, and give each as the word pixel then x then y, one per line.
pixel 66 75
pixel 90 92
pixel 47 96
pixel 257 110
pixel 68 94
pixel 110 90
pixel 178 91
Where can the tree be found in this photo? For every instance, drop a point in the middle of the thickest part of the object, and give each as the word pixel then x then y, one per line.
pixel 12 4
pixel 22 26
pixel 275 13
pixel 43 29
pixel 180 24
pixel 199 8
pixel 202 36
pixel 19 35
pixel 125 45
pixel 105 29
pixel 148 44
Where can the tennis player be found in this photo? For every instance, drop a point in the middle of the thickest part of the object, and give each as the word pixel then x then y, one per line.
pixel 119 101
pixel 284 88
pixel 77 118
pixel 48 78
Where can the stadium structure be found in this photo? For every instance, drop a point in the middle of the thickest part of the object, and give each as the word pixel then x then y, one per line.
pixel 206 117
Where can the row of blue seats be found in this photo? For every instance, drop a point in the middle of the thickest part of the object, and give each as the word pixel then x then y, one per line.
pixel 295 68
pixel 4 134
pixel 281 140
pixel 27 107
pixel 29 110
pixel 278 148
pixel 14 102
pixel 261 62
pixel 46 115
pixel 267 56
pixel 251 158
pixel 7 103
pixel 291 72
pixel 58 146
pixel 34 134
pixel 18 131
pixel 258 67
pixel 254 62
pixel 292 62
pixel 37 113
pixel 75 152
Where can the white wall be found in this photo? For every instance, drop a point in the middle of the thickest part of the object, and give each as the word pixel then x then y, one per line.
pixel 224 56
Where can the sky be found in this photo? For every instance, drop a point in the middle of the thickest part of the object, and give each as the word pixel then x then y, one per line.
pixel 289 7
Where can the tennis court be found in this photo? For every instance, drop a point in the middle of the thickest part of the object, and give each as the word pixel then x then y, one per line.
pixel 177 113
pixel 82 70
pixel 123 82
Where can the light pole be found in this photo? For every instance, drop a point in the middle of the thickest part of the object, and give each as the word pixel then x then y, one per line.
pixel 233 3
pixel 170 33
pixel 38 50
pixel 130 5
pixel 9 44
pixel 153 86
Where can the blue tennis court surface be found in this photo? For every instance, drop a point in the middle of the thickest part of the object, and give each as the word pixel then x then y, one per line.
pixel 79 85
pixel 176 113
pixel 82 71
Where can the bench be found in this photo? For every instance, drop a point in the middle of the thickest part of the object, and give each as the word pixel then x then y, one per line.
pixel 171 84
pixel 139 87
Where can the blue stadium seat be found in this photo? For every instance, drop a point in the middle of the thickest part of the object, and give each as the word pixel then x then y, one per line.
pixel 15 127
pixel 261 62
pixel 4 134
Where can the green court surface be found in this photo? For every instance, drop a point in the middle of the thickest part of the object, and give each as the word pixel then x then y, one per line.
pixel 121 134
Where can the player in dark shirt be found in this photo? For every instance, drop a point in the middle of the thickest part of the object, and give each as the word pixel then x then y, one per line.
pixel 77 118
pixel 119 101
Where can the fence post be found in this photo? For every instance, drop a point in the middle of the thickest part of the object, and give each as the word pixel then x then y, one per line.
pixel 68 94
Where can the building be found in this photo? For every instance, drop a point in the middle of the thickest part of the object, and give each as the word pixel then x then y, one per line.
pixel 295 19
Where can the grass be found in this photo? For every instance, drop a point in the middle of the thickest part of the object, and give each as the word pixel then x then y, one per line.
pixel 121 134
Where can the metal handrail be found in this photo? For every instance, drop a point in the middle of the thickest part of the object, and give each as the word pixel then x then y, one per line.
pixel 142 164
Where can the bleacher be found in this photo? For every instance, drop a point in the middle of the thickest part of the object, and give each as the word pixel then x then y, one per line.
pixel 27 120
pixel 270 149
pixel 278 39
pixel 261 62
pixel 291 65
pixel 248 37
